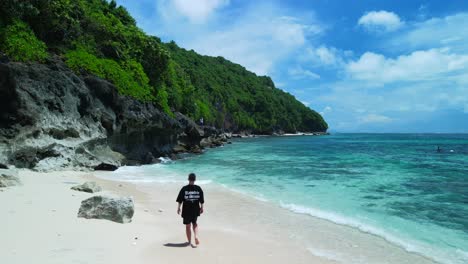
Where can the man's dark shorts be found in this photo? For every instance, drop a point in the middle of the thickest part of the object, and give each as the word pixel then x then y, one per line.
pixel 191 219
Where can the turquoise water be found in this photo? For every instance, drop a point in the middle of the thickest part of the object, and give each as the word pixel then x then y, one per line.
pixel 396 186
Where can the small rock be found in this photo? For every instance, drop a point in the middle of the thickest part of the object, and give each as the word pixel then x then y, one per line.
pixel 120 185
pixel 118 210
pixel 206 142
pixel 146 210
pixel 179 148
pixel 160 210
pixel 150 159
pixel 9 178
pixel 90 187
pixel 106 167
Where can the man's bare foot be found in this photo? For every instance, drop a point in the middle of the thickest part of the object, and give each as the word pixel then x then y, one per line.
pixel 197 242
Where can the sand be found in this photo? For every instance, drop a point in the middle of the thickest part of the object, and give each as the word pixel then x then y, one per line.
pixel 40 225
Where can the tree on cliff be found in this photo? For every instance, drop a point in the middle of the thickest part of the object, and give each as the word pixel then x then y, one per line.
pixel 99 37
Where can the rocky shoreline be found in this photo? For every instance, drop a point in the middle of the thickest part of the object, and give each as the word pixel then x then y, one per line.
pixel 53 119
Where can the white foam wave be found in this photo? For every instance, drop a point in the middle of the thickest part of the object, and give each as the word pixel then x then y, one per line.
pixel 148 174
pixel 204 182
pixel 410 246
pixel 327 254
pixel 258 197
pixel 164 160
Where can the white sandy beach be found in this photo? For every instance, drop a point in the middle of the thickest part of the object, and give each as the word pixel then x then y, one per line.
pixel 40 225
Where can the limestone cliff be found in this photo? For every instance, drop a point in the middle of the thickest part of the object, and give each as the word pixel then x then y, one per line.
pixel 50 118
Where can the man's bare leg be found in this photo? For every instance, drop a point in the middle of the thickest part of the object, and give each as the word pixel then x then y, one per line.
pixel 195 233
pixel 188 232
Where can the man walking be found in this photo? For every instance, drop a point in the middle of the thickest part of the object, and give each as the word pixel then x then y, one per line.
pixel 191 196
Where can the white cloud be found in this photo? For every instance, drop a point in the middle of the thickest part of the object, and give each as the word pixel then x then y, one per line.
pixel 259 35
pixel 198 11
pixel 375 118
pixel 326 110
pixel 380 21
pixel 257 42
pixel 417 66
pixel 299 73
pixel 434 33
pixel 324 56
pixel 280 85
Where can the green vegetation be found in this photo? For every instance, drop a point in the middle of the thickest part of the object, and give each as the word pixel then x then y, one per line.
pixel 129 78
pixel 21 44
pixel 228 94
pixel 98 37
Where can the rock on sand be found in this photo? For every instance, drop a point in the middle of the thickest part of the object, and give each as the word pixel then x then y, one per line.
pixel 9 178
pixel 90 187
pixel 118 210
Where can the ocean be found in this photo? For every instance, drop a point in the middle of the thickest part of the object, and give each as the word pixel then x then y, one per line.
pixel 396 186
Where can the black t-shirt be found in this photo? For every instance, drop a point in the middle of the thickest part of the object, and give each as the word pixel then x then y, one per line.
pixel 191 196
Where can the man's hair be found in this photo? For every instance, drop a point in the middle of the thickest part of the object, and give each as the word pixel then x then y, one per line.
pixel 192 177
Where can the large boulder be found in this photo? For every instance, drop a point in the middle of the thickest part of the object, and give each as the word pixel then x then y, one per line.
pixel 150 159
pixel 206 142
pixel 90 187
pixel 118 210
pixel 196 150
pixel 181 148
pixel 213 141
pixel 106 167
pixel 9 178
pixel 191 129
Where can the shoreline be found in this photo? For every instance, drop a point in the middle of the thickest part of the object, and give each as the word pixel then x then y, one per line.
pixel 235 227
pixel 275 216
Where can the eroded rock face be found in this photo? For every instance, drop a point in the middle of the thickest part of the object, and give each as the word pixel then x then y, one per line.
pixel 90 187
pixel 118 210
pixel 9 178
pixel 52 119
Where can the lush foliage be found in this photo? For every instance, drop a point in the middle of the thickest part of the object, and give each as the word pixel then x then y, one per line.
pixel 20 43
pixel 129 78
pixel 101 38
pixel 228 95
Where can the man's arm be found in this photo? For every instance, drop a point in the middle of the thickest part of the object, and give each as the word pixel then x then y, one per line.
pixel 202 201
pixel 179 200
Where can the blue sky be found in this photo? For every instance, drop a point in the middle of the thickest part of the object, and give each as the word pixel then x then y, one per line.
pixel 367 65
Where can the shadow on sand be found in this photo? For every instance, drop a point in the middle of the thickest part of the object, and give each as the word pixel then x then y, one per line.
pixel 185 244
